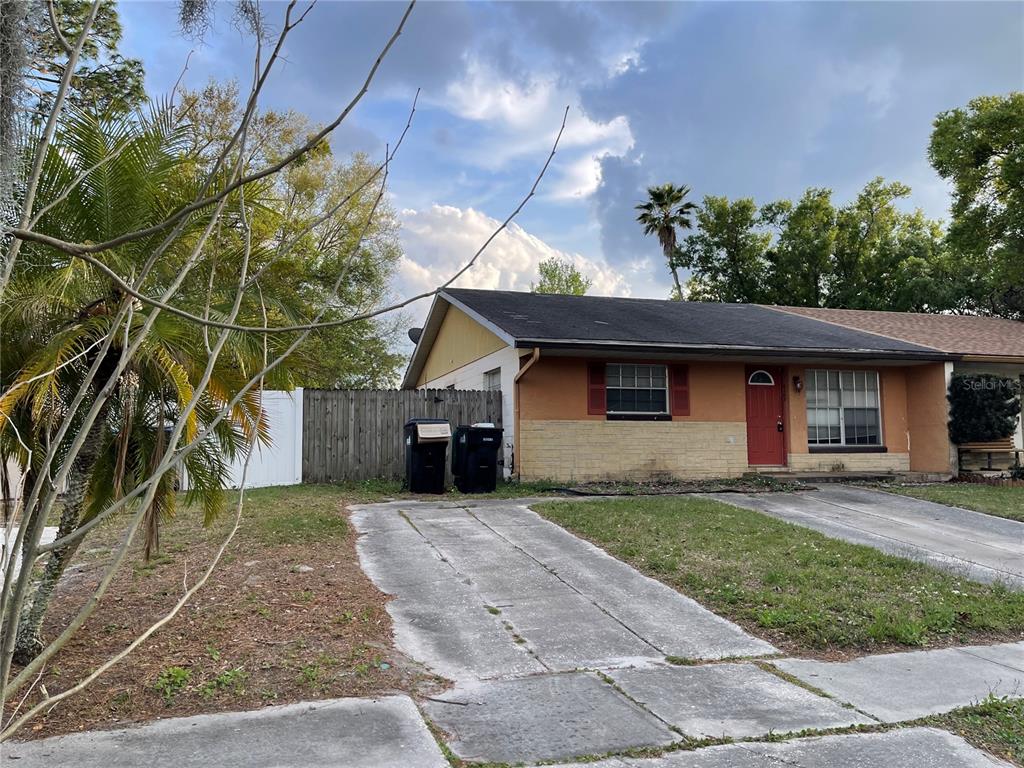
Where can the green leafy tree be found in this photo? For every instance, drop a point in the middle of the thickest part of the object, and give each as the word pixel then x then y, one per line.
pixel 57 311
pixel 301 210
pixel 800 259
pixel 885 258
pixel 104 80
pixel 558 276
pixel 983 408
pixel 980 150
pixel 868 254
pixel 727 253
pixel 665 211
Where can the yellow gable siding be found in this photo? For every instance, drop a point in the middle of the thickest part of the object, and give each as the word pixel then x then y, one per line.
pixel 460 341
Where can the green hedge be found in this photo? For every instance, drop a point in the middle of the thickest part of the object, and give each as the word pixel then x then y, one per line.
pixel 983 407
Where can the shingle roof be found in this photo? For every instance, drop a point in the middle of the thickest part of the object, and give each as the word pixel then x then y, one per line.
pixel 598 320
pixel 956 334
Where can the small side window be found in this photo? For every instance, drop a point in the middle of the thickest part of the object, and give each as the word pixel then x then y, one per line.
pixel 761 378
pixel 492 380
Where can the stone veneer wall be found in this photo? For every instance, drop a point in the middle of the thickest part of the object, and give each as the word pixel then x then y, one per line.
pixel 585 450
pixel 851 462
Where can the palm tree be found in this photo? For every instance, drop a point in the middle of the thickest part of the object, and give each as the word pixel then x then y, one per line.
pixel 665 210
pixel 56 311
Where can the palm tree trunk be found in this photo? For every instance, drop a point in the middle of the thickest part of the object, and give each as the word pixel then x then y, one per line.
pixel 29 642
pixel 675 273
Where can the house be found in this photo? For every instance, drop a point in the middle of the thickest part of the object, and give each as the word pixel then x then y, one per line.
pixel 597 388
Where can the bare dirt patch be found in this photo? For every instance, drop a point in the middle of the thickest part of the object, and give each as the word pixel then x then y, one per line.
pixel 287 616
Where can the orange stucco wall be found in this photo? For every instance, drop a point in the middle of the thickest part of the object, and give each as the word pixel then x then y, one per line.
pixel 928 418
pixel 913 404
pixel 556 388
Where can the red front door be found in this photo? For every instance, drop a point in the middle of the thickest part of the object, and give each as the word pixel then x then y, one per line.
pixel 765 444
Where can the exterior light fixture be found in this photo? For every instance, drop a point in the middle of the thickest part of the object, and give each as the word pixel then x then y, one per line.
pixel 798 384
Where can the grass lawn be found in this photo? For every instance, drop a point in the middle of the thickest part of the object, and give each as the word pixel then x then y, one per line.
pixel 1001 501
pixel 803 591
pixel 995 725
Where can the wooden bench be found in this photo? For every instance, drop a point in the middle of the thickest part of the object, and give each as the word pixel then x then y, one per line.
pixel 988 450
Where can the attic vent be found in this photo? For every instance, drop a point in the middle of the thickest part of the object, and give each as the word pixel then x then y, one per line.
pixel 601 322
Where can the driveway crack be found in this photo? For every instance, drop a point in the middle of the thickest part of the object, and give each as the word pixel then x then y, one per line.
pixel 578 591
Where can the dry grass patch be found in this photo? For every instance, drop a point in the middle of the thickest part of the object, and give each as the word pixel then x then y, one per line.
pixel 287 616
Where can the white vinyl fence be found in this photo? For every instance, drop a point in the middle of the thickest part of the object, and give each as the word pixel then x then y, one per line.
pixel 279 463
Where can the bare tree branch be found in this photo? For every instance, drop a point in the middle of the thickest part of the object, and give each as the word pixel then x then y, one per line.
pixel 331 323
pixel 84 249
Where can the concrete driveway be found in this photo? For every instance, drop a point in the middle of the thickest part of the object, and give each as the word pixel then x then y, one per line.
pixel 558 650
pixel 975 545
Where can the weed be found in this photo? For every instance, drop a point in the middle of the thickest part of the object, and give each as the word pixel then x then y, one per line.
pixel 171 682
pixel 231 679
pixel 310 675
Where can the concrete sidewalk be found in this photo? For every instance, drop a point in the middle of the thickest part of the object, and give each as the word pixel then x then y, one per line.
pixel 894 687
pixel 907 748
pixel 971 544
pixel 341 733
pixel 559 650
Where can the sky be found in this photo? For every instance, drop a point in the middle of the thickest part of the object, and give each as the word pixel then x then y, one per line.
pixel 737 99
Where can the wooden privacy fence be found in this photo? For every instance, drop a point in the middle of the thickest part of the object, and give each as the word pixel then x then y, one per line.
pixel 357 434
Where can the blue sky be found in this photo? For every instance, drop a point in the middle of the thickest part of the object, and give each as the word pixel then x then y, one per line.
pixel 736 99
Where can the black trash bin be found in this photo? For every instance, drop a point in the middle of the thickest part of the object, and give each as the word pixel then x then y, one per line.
pixel 475 458
pixel 426 448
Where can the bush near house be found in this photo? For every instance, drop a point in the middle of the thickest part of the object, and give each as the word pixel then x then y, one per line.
pixel 983 407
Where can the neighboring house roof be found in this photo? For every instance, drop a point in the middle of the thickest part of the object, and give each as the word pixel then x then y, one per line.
pixel 968 335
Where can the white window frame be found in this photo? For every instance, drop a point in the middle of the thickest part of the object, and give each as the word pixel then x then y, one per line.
pixel 608 386
pixel 489 377
pixel 842 415
pixel 769 383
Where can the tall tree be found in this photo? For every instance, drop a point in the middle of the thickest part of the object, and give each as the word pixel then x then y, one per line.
pixel 980 149
pixel 300 211
pixel 727 253
pixel 559 276
pixel 873 241
pixel 800 259
pixel 104 80
pixel 666 210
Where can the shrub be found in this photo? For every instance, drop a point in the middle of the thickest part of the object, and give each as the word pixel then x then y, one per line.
pixel 983 407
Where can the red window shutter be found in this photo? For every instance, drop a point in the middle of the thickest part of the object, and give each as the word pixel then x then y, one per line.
pixel 679 384
pixel 595 389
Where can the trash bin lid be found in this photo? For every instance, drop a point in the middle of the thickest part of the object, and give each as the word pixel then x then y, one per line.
pixel 428 432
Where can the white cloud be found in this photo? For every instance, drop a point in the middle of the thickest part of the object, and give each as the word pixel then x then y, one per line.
pixel 439 241
pixel 524 118
pixel 874 78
